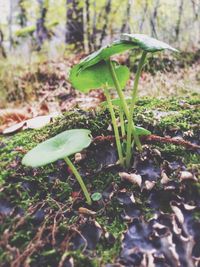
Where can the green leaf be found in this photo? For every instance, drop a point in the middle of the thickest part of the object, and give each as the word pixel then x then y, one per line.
pixel 146 43
pixel 97 76
pixel 142 131
pixel 96 196
pixel 58 147
pixel 104 53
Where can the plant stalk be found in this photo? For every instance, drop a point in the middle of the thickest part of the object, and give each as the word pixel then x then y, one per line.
pixel 116 131
pixel 121 117
pixel 133 101
pixel 123 100
pixel 79 179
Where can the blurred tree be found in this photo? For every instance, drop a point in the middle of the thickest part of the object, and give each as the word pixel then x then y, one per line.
pixel 145 9
pixel 89 24
pixel 178 23
pixel 126 21
pixel 93 34
pixel 153 19
pixel 10 21
pixel 107 10
pixel 41 30
pixel 75 24
pixel 2 50
pixel 22 14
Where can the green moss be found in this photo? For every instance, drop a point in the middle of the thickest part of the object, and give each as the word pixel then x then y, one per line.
pixel 24 187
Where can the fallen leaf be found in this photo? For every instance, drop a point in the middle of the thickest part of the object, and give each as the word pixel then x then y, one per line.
pixel 82 210
pixel 185 175
pixel 132 178
pixel 35 123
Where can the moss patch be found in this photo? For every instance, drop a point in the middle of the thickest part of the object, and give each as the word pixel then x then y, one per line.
pixel 46 201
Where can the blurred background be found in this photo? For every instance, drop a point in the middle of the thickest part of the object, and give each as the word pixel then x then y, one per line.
pixel 41 39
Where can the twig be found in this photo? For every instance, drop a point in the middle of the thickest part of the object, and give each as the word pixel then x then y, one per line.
pixel 152 138
pixel 175 141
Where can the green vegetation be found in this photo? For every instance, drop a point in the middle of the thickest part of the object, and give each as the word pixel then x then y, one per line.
pixel 114 175
pixel 98 70
pixel 58 147
pixel 24 188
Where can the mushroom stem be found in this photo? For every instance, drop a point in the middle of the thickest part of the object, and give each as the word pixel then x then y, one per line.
pixel 124 104
pixel 116 131
pixel 79 179
pixel 133 101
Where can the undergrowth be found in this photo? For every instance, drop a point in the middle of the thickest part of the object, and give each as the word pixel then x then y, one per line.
pixel 41 200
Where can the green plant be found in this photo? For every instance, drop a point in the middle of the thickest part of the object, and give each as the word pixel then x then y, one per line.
pixel 61 146
pixel 116 102
pixel 96 76
pixel 147 44
pixel 98 70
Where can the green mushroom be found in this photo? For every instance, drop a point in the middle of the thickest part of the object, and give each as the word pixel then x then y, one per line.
pixel 58 147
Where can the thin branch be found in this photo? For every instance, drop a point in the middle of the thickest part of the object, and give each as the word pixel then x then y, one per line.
pixel 152 138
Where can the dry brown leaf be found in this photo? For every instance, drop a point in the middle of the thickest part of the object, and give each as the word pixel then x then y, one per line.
pixel 132 178
pixel 11 117
pixel 35 123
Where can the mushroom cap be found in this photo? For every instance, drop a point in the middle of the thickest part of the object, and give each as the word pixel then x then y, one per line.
pixel 146 43
pixel 58 147
pixel 97 76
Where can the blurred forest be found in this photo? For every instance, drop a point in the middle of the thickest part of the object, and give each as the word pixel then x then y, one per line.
pixel 41 39
pixel 51 25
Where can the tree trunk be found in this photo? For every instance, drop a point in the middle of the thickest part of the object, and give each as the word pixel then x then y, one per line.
pixel 10 20
pixel 153 19
pixel 87 3
pixel 41 30
pixel 74 25
pixel 144 15
pixel 195 9
pixel 94 29
pixel 178 24
pixel 86 26
pixel 22 15
pixel 2 50
pixel 126 22
pixel 106 16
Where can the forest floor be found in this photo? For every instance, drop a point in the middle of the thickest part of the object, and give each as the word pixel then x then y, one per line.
pixel 148 215
pixel 42 87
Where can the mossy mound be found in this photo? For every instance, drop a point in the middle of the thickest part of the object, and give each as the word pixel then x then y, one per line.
pixel 44 218
pixel 170 63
